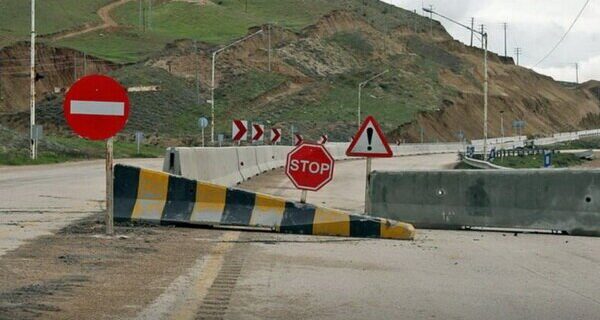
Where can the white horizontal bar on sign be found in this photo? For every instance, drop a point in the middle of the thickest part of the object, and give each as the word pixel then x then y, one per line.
pixel 98 108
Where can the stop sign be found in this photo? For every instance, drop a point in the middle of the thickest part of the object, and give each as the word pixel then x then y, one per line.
pixel 96 107
pixel 309 166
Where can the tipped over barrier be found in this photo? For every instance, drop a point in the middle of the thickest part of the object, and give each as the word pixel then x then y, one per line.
pixel 143 195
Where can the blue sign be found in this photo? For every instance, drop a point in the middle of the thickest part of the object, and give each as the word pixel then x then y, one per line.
pixel 547 159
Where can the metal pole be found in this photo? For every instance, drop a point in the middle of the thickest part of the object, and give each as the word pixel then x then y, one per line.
pixel 203 137
pixel 485 96
pixel 138 140
pixel 472 29
pixel 197 73
pixel 359 99
pixel 32 86
pixel 577 73
pixel 361 85
pixel 74 67
pixel 422 134
pixel 505 51
pixel 367 200
pixel 149 14
pixel 303 196
pixel 269 47
pixel 108 218
pixel 212 101
pixel 502 123
pixel 212 87
pixel 84 63
pixel 141 15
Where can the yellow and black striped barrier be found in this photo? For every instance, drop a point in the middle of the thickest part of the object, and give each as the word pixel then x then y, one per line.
pixel 157 197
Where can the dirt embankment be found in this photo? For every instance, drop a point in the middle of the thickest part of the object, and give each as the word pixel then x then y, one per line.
pixel 56 69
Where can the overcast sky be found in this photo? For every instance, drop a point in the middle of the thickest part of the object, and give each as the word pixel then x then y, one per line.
pixel 533 25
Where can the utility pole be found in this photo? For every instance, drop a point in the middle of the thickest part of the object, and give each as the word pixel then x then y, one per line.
pixel 518 52
pixel 362 85
pixel 472 29
pixel 74 67
pixel 482 27
pixel 212 85
pixel 431 19
pixel 505 50
pixel 197 75
pixel 269 36
pixel 577 72
pixel 502 123
pixel 32 87
pixel 141 24
pixel 484 42
pixel 149 15
pixel 84 64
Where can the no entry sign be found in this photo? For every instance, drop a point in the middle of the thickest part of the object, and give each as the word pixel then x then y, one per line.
pixel 96 107
pixel 309 167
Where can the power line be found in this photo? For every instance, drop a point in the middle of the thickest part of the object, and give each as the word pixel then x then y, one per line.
pixel 565 35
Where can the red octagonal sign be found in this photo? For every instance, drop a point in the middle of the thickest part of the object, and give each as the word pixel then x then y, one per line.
pixel 309 166
pixel 96 107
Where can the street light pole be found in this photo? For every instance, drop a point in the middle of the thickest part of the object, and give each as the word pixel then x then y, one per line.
pixel 360 86
pixel 212 86
pixel 484 42
pixel 32 137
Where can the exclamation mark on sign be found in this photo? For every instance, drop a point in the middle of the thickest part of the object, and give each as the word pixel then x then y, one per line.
pixel 369 138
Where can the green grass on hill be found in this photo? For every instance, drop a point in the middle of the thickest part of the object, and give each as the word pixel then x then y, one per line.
pixel 62 149
pixel 220 22
pixel 51 16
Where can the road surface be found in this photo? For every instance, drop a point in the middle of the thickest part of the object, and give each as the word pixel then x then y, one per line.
pixel 180 273
pixel 36 200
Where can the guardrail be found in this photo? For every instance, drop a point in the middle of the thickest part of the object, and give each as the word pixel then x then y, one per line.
pixel 480 164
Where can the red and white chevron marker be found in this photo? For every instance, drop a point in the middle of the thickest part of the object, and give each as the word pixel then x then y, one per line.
pixel 258 131
pixel 275 135
pixel 239 130
pixel 299 139
pixel 323 140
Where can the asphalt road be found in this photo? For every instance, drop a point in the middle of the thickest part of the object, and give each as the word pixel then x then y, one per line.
pixel 253 275
pixel 37 200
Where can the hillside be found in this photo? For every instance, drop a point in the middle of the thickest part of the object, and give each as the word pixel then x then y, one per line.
pixel 321 51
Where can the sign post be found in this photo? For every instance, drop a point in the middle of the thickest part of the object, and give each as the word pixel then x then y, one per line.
pixel 309 167
pixel 139 137
pixel 202 123
pixel 369 142
pixel 96 108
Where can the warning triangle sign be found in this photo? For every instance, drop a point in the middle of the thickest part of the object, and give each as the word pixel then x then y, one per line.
pixel 370 141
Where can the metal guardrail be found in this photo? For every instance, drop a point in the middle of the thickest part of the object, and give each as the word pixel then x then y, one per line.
pixel 480 164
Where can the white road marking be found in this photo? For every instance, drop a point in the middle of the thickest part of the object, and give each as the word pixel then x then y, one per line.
pixel 97 108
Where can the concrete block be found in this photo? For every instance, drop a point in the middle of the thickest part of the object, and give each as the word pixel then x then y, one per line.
pixel 565 200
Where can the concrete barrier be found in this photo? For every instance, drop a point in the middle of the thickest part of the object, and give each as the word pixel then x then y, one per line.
pixel 564 200
pixel 217 165
pixel 155 197
pixel 265 158
pixel 281 153
pixel 247 162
